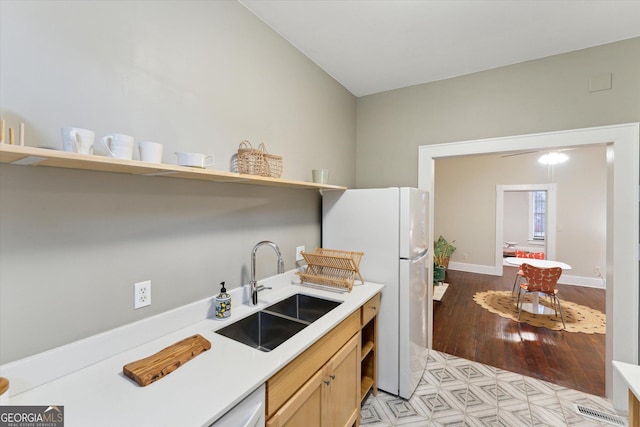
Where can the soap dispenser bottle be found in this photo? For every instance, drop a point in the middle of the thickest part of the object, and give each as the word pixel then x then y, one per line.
pixel 223 303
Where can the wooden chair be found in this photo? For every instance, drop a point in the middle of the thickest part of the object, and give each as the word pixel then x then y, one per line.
pixel 542 280
pixel 524 254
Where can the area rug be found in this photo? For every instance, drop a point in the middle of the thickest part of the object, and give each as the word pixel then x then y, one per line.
pixel 578 318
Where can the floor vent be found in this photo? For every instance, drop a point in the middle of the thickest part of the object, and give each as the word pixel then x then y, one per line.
pixel 600 416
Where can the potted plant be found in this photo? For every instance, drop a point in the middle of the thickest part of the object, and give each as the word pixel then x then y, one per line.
pixel 442 250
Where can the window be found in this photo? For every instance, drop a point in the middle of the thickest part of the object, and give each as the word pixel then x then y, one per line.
pixel 537 211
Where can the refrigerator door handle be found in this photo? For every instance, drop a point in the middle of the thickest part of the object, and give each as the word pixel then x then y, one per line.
pixel 419 256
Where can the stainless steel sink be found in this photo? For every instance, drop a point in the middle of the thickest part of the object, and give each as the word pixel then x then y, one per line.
pixel 303 307
pixel 267 329
pixel 262 330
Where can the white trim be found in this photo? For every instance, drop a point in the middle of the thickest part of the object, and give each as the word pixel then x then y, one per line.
pixel 550 217
pixel 623 165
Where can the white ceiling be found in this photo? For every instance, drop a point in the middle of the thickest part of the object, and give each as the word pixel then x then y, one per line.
pixel 372 46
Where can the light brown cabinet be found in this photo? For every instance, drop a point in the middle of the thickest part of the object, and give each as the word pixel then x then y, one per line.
pixel 342 396
pixel 330 398
pixel 304 408
pixel 369 347
pixel 325 376
pixel 326 384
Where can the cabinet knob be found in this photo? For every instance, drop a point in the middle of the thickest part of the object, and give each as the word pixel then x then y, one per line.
pixel 331 377
pixel 373 307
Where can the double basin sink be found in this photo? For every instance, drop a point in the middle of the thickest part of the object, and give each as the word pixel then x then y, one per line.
pixel 270 327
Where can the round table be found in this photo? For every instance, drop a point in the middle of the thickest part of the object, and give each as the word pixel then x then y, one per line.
pixel 540 263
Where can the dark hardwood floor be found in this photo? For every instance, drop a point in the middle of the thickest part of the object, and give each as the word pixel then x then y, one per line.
pixel 464 329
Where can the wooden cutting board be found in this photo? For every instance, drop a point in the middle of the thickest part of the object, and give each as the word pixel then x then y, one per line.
pixel 4 385
pixel 152 368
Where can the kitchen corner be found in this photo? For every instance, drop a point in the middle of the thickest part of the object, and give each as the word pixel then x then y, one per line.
pixel 200 391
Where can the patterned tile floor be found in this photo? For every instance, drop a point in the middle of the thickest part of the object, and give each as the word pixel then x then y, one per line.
pixel 459 392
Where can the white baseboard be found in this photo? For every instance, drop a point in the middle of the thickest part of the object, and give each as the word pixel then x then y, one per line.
pixel 474 268
pixel 589 282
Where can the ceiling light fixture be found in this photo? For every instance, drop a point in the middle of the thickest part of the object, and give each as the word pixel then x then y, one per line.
pixel 553 158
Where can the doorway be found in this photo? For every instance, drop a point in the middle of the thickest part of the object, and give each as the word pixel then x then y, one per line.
pixel 623 165
pixel 550 218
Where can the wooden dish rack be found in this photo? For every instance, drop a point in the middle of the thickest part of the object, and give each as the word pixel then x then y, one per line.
pixel 332 267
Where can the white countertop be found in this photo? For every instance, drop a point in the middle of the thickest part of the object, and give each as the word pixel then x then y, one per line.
pixel 631 375
pixel 200 391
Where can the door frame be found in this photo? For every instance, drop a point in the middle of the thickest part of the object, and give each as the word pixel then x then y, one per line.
pixel 623 178
pixel 550 218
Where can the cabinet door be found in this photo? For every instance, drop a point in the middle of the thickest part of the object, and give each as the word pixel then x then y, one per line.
pixel 304 408
pixel 343 397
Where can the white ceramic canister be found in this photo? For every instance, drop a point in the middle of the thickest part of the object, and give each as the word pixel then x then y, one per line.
pixel 223 304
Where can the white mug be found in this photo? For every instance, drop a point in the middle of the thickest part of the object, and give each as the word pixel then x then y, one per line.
pixel 119 146
pixel 194 159
pixel 150 152
pixel 77 140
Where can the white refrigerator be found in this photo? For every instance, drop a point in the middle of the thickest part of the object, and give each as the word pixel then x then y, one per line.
pixel 390 226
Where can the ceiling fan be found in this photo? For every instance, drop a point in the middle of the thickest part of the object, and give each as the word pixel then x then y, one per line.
pixel 521 153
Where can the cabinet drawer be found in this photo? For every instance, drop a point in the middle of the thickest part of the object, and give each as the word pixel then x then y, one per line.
pixel 370 309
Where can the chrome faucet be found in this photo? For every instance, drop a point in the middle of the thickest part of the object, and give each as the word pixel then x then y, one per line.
pixel 254 285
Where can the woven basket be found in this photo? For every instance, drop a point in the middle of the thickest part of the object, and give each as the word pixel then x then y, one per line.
pixel 251 160
pixel 257 161
pixel 273 165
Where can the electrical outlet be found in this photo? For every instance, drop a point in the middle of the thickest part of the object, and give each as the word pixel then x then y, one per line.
pixel 299 251
pixel 141 294
pixel 596 270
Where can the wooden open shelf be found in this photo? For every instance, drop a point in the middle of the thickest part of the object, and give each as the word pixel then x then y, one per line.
pixel 366 349
pixel 366 384
pixel 22 155
pixel 369 347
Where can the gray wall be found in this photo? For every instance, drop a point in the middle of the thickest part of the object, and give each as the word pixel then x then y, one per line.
pixel 536 96
pixel 195 76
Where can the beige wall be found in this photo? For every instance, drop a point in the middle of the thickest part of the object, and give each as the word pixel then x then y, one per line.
pixel 195 76
pixel 465 204
pixel 536 96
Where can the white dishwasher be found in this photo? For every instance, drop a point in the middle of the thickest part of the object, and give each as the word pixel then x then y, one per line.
pixel 248 413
